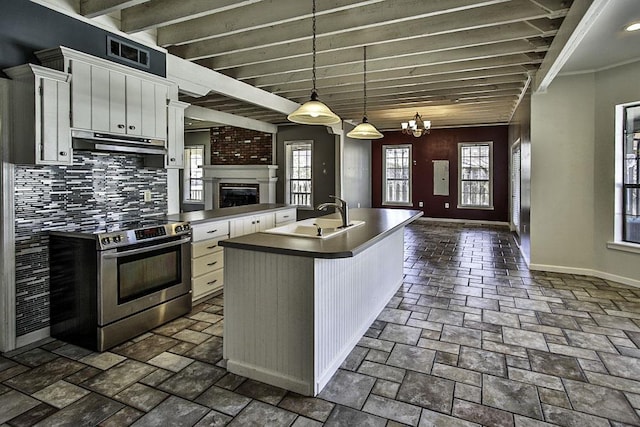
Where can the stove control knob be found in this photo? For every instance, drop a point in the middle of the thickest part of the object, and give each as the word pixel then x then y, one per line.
pixel 106 240
pixel 117 238
pixel 178 228
pixel 186 227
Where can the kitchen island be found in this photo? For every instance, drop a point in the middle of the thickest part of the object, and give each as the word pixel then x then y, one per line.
pixel 295 307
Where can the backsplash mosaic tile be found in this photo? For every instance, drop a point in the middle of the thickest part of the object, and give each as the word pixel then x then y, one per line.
pixel 99 188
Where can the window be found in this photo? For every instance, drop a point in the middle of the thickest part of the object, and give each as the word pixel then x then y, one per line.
pixel 193 183
pixel 397 175
pixel 475 184
pixel 631 175
pixel 299 183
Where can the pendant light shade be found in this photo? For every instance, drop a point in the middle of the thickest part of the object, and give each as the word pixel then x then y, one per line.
pixel 365 130
pixel 314 112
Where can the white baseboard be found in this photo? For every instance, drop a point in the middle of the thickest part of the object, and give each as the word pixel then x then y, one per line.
pixel 586 272
pixel 32 337
pixel 463 221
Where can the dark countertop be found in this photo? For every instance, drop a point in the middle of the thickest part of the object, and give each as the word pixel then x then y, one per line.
pixel 379 223
pixel 226 213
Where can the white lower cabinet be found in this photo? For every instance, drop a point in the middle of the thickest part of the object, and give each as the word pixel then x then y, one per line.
pixel 251 224
pixel 207 257
pixel 286 216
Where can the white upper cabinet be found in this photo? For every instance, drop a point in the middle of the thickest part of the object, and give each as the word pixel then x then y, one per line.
pixel 112 98
pixel 40 115
pixel 175 134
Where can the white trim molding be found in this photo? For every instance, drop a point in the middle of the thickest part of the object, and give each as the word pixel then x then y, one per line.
pixel 586 272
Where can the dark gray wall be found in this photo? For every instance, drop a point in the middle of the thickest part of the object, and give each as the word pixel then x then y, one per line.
pixel 27 27
pixel 324 163
pixel 356 165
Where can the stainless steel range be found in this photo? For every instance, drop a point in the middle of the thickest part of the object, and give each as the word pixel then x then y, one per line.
pixel 112 284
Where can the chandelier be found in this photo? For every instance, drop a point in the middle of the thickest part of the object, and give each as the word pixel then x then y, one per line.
pixel 416 126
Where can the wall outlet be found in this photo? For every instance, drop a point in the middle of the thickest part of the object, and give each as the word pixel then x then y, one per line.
pixel 446 205
pixel 147 195
pixel 420 204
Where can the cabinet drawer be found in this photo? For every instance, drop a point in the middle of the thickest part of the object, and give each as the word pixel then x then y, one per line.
pixel 205 247
pixel 208 230
pixel 285 216
pixel 207 263
pixel 207 283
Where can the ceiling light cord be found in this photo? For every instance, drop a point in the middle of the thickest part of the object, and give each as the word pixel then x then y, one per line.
pixel 365 82
pixel 313 47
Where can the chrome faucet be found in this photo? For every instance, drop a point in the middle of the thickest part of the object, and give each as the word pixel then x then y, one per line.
pixel 342 207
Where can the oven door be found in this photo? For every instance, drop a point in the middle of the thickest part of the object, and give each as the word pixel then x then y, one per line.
pixel 134 278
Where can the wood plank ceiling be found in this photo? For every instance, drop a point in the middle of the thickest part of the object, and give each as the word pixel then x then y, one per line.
pixel 456 62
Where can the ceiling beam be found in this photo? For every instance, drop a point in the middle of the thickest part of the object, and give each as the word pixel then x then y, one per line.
pixel 196 80
pixel 94 8
pixel 205 114
pixel 160 13
pixel 268 13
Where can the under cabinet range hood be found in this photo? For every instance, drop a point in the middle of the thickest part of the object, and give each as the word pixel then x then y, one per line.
pixel 100 141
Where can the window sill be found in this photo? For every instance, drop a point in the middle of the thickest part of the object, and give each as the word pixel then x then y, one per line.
pixel 624 246
pixel 481 208
pixel 409 205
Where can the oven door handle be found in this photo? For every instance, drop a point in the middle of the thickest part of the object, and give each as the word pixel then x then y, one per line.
pixel 147 249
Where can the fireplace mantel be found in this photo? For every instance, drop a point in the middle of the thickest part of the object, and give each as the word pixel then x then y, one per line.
pixel 213 175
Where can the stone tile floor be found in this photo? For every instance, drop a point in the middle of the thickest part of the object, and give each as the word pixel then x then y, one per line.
pixel 471 338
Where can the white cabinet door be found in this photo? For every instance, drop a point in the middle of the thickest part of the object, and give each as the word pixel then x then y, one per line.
pixel 117 103
pixel 133 100
pixel 99 111
pixel 154 110
pixel 175 134
pixel 265 222
pixel 39 115
pixel 81 95
pixel 55 133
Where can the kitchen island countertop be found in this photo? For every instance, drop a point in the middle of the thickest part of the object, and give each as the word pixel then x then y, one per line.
pixel 378 223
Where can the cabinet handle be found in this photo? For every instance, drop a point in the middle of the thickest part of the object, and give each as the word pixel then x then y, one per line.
pixel 212 263
pixel 211 247
pixel 120 126
pixel 132 127
pixel 212 282
pixel 63 153
pixel 285 216
pixel 258 221
pixel 212 231
pixel 253 222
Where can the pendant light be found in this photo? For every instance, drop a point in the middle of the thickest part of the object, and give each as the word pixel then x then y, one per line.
pixel 365 130
pixel 314 112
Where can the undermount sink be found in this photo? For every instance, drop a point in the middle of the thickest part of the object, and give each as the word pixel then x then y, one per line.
pixel 309 228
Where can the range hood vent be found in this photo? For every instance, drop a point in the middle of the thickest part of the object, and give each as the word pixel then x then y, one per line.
pixel 99 141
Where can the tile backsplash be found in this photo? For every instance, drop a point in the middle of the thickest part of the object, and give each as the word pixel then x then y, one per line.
pixel 98 188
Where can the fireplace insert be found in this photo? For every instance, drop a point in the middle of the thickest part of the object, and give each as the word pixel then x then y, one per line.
pixel 238 195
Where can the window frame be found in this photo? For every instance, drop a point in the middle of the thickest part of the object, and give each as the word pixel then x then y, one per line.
pixel 289 149
pixel 618 242
pixel 187 177
pixel 462 145
pixel 385 198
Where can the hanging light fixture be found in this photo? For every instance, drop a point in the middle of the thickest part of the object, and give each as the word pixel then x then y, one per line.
pixel 314 112
pixel 365 130
pixel 416 127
